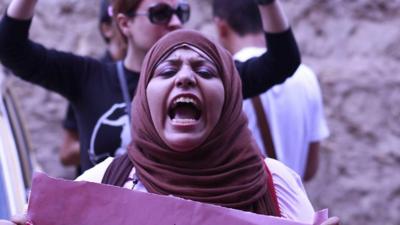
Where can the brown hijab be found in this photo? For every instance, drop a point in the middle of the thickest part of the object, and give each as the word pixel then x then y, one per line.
pixel 227 168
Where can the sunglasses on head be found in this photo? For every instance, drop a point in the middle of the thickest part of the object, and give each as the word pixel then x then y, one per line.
pixel 161 13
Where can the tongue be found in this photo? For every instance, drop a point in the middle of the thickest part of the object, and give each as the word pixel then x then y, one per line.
pixel 185 112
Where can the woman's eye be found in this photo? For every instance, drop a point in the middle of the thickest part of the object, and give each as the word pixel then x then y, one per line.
pixel 206 72
pixel 167 72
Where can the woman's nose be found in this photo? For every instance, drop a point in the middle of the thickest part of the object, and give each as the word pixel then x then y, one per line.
pixel 175 23
pixel 185 79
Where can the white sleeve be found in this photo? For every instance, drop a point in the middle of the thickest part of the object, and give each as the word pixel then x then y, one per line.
pixel 318 127
pixel 96 173
pixel 292 198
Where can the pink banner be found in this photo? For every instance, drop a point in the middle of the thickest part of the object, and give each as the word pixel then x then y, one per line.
pixel 56 201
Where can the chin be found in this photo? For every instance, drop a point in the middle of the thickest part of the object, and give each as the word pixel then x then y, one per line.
pixel 183 144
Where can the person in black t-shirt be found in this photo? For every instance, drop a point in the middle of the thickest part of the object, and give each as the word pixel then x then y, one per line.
pixel 115 50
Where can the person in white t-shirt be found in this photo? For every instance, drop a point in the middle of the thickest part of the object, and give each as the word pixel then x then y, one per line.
pixel 294 109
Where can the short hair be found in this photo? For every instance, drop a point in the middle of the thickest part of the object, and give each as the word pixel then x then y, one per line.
pixel 104 16
pixel 241 15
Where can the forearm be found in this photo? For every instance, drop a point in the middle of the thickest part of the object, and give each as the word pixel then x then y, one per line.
pixel 273 67
pixel 274 22
pixel 21 9
pixel 54 70
pixel 70 149
pixel 15 47
pixel 312 161
pixel 273 17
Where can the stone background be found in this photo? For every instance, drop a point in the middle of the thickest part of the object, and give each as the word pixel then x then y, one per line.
pixel 354 46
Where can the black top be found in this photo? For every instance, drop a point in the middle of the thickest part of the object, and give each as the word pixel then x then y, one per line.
pixel 69 121
pixel 94 91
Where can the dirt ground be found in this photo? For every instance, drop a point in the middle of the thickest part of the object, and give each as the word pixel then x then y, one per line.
pixel 353 46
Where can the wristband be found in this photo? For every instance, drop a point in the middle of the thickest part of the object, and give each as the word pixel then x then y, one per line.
pixel 264 2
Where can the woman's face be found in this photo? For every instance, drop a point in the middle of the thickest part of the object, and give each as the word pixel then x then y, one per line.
pixel 185 97
pixel 142 33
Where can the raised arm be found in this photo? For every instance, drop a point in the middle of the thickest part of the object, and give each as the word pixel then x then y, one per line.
pixel 282 58
pixel 21 9
pixel 273 17
pixel 62 72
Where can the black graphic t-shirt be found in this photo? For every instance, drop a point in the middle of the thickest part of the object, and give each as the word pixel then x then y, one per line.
pixel 93 88
pixel 69 121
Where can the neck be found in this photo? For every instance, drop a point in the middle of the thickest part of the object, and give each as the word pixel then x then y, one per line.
pixel 117 52
pixel 134 58
pixel 239 42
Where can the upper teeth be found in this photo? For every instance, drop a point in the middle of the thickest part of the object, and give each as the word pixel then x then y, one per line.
pixel 184 100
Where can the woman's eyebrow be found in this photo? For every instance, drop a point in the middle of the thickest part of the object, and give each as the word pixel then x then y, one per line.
pixel 202 61
pixel 173 61
pixel 195 60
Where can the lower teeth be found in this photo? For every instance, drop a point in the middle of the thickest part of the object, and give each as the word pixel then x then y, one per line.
pixel 184 120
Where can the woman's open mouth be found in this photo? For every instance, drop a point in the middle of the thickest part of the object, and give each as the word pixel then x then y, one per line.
pixel 184 110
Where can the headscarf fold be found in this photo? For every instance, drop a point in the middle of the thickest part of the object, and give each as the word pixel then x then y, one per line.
pixel 227 169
